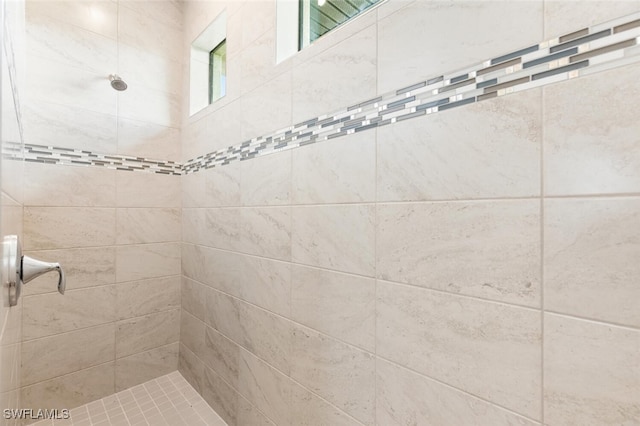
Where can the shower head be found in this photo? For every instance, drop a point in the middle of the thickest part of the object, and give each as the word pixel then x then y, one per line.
pixel 117 83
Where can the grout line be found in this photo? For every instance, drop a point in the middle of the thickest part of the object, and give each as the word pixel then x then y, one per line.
pixel 542 242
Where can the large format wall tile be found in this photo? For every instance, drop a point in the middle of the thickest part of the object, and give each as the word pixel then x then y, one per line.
pixel 488 349
pixel 54 356
pixel 192 297
pixel 564 17
pixel 589 149
pixel 49 314
pixel 71 45
pixel 266 180
pixel 136 298
pixel 192 333
pixel 340 373
pixel 591 252
pixel 220 396
pixel 191 367
pixel 411 46
pixel 266 388
pixel 139 262
pixel 403 394
pixel 69 186
pixel 79 14
pixel 147 225
pixel 69 126
pixel 144 366
pixel 148 140
pixel 486 249
pixel 267 108
pixel 338 304
pixel 222 355
pixel 143 190
pixel 71 390
pixel 319 235
pixel 83 267
pixel 592 374
pixel 147 332
pixel 487 150
pixel 310 410
pixel 266 231
pixel 340 171
pixel 68 227
pixel 316 90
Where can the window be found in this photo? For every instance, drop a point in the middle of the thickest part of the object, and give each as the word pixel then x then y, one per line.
pixel 208 65
pixel 318 17
pixel 218 72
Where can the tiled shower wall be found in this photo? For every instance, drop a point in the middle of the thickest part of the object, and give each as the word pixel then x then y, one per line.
pixel 116 232
pixel 12 79
pixel 470 267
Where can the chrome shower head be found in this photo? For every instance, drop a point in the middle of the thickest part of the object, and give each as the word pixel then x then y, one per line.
pixel 117 83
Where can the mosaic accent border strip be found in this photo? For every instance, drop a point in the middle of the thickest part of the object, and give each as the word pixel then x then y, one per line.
pixel 590 50
pixel 75 157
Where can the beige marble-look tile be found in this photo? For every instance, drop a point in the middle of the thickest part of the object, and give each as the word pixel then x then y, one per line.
pixel 257 60
pixel 340 305
pixel 441 159
pixel 147 225
pixel 143 104
pixel 167 12
pixel 588 149
pixel 65 353
pixel 192 297
pixel 263 282
pixel 316 90
pixel 71 390
pixel 49 314
pixel 144 366
pixel 192 333
pixel 307 409
pixel 134 189
pixel 136 28
pixel 266 180
pixel 98 16
pixel 248 415
pixel 266 231
pixel 222 228
pixel 136 298
pixel 267 108
pixel 69 126
pixel 405 397
pixel 565 17
pixel 193 189
pixel 69 44
pixel 319 235
pixel 50 185
pixel 83 267
pixel 222 186
pixel 591 373
pixel 193 226
pixel 68 227
pixel 147 332
pixel 139 262
pixel 591 248
pixel 340 171
pixel 266 335
pixel 266 388
pixel 135 64
pixel 461 247
pixel 10 375
pixel 148 140
pixel 221 355
pixel 488 349
pixel 261 332
pixel 411 49
pixel 58 83
pixel 220 396
pixel 342 374
pixel 191 367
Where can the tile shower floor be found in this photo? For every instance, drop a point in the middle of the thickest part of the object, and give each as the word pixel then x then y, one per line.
pixel 166 401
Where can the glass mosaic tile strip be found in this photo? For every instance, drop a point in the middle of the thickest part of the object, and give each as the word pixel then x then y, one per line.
pixel 604 46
